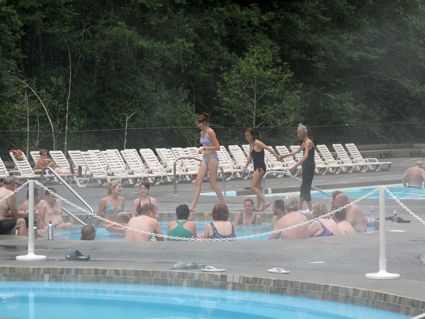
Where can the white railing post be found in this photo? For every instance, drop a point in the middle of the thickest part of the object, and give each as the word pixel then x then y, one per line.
pixel 382 274
pixel 31 256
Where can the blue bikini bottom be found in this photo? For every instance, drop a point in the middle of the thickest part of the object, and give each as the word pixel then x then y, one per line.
pixel 208 159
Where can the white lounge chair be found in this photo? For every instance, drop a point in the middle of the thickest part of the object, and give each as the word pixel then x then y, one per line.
pixel 23 167
pixel 229 168
pixel 240 159
pixel 344 158
pixel 272 163
pixel 167 158
pixel 321 168
pixel 330 160
pixel 153 166
pixel 3 171
pixel 96 171
pixel 100 159
pixel 78 160
pixel 117 167
pixel 136 166
pixel 190 166
pixel 289 160
pixel 371 162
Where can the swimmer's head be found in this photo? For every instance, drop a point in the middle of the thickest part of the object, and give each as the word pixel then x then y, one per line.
pixel 182 212
pixel 278 204
pixel 340 216
pixel 220 212
pixel 419 164
pixel 88 232
pixel 341 200
pixel 319 209
pixel 113 186
pixel 291 203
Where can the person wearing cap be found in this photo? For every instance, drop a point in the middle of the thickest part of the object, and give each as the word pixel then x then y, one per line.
pixel 414 175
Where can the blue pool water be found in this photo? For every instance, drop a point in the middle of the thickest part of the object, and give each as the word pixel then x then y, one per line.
pixel 104 235
pixel 45 300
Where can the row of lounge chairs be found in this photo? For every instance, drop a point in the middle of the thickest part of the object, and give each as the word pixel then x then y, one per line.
pixel 133 167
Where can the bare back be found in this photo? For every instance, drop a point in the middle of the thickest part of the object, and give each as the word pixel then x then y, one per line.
pixel 346 228
pixel 4 205
pixel 51 213
pixel 144 223
pixel 356 218
pixel 290 219
pixel 415 177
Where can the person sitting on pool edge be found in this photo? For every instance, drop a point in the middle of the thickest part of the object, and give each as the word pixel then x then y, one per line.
pixel 111 205
pixel 247 217
pixel 278 211
pixel 123 219
pixel 50 210
pixel 182 227
pixel 88 232
pixel 324 226
pixel 344 226
pixel 354 214
pixel 145 223
pixel 291 218
pixel 220 227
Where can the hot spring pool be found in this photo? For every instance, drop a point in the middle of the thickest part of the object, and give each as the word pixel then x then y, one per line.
pixel 45 300
pixel 103 234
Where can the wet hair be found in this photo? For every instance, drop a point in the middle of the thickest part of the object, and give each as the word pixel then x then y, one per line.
pixel 340 216
pixel 319 209
pixel 124 216
pixel 251 131
pixel 248 200
pixel 291 203
pixel 88 233
pixel 204 117
pixel 220 212
pixel 280 204
pixel 36 192
pixel 146 184
pixel 182 211
pixel 146 208
pixel 111 185
pixel 302 128
pixel 335 194
pixel 46 192
pixel 10 180
pixel 42 151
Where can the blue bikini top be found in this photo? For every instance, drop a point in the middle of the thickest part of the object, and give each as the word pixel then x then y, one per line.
pixel 206 141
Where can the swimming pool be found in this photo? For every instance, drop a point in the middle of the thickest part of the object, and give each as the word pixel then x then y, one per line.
pixel 104 235
pixel 45 300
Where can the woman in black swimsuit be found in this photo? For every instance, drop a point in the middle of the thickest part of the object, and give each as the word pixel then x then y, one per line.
pixel 308 166
pixel 256 153
pixel 247 217
pixel 144 199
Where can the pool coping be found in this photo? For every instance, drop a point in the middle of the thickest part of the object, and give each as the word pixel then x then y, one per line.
pixel 271 284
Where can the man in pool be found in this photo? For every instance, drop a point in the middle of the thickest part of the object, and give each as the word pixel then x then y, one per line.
pixel 291 218
pixel 23 209
pixel 344 226
pixel 9 225
pixel 50 210
pixel 144 222
pixel 278 211
pixel 123 219
pixel 354 214
pixel 415 175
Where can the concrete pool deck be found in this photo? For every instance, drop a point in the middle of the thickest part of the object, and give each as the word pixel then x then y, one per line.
pixel 329 268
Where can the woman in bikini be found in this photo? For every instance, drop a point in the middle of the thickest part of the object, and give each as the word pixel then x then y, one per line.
pixel 111 205
pixel 247 217
pixel 256 153
pixel 209 163
pixel 323 226
pixel 144 199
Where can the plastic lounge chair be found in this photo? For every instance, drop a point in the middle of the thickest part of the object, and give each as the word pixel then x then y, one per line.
pixel 116 166
pixel 97 172
pixel 240 159
pixel 321 168
pixel 329 159
pixel 3 171
pixel 167 158
pixel 153 166
pixel 344 158
pixel 190 166
pixel 271 162
pixel 78 160
pixel 23 167
pixel 100 159
pixel 371 162
pixel 229 167
pixel 289 160
pixel 136 167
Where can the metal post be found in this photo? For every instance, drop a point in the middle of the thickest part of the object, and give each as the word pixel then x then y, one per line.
pixel 382 274
pixel 31 256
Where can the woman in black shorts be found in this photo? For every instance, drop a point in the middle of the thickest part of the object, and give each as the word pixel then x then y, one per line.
pixel 308 166
pixel 256 153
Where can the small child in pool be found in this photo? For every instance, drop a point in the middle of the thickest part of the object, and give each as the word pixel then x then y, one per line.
pixel 88 233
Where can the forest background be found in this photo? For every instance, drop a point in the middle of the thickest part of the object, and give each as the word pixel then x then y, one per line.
pixel 144 69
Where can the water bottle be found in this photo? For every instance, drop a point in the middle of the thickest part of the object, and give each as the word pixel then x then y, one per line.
pixel 50 231
pixel 368 229
pixel 395 216
pixel 372 224
pixel 244 170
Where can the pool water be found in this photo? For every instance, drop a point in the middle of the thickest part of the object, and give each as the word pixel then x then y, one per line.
pixel 104 235
pixel 45 300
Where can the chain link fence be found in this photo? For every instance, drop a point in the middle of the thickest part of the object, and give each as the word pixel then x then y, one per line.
pixel 153 137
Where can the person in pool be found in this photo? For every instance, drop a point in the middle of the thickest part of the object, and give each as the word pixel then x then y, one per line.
pixel 256 153
pixel 144 199
pixel 344 226
pixel 88 233
pixel 50 210
pixel 123 219
pixel 354 214
pixel 111 205
pixel 145 223
pixel 209 164
pixel 247 217
pixel 278 211
pixel 415 175
pixel 220 227
pixel 182 227
pixel 323 226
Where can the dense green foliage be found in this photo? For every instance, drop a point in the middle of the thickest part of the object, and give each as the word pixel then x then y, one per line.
pixel 247 63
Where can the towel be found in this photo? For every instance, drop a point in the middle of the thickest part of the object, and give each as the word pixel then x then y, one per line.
pixel 17 154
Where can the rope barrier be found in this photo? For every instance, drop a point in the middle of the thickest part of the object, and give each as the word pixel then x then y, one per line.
pixel 404 206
